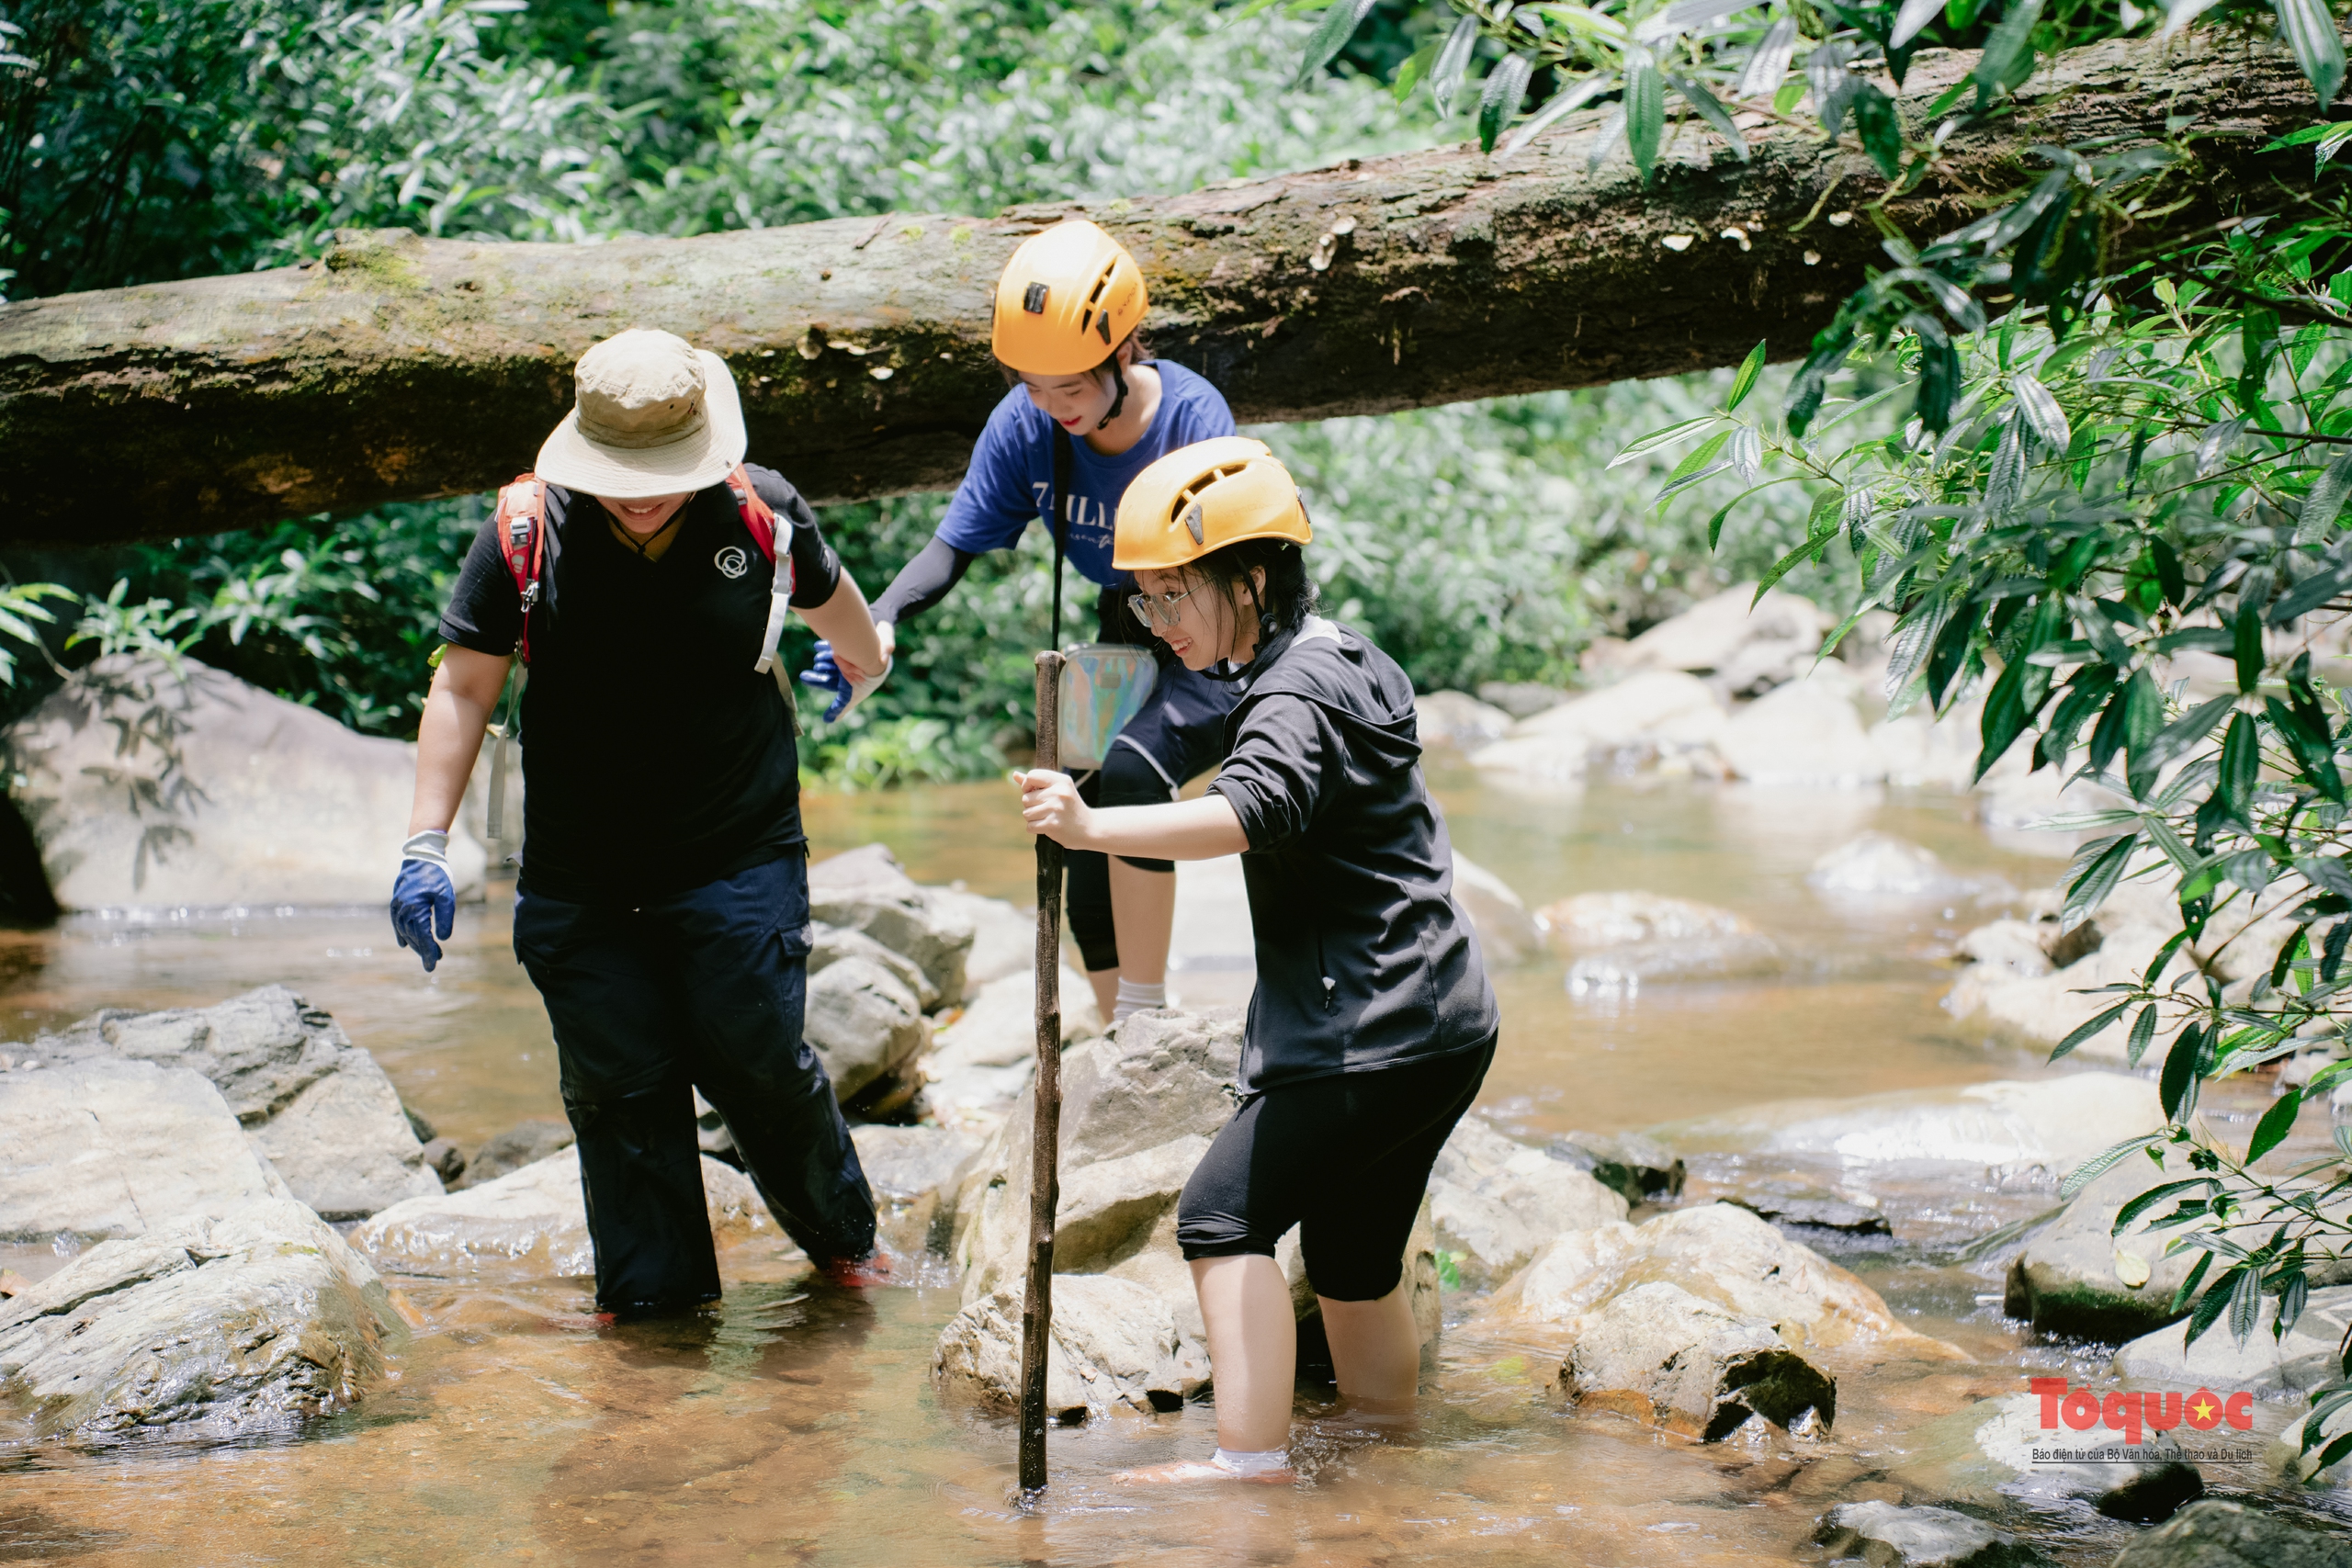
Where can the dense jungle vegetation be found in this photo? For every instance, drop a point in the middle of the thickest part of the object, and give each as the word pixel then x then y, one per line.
pixel 151 140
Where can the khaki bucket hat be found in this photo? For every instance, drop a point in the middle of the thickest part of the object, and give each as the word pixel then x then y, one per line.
pixel 652 415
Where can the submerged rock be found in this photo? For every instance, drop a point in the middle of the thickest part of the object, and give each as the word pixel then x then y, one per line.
pixel 1718 1254
pixel 534 1216
pixel 1636 1167
pixel 525 1142
pixel 1114 1345
pixel 1807 732
pixel 2215 1534
pixel 909 1168
pixel 2267 1365
pixel 1886 1536
pixel 238 1325
pixel 1625 971
pixel 1647 718
pixel 144 787
pixel 1507 933
pixel 1881 866
pixel 317 1106
pixel 1496 1203
pixel 865 1025
pixel 1829 1224
pixel 1987 1452
pixel 107 1147
pixel 1462 721
pixel 864 890
pixel 1661 1355
pixel 2011 1126
pixel 1591 920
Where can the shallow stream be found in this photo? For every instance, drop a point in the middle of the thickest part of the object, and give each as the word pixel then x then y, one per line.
pixel 798 1422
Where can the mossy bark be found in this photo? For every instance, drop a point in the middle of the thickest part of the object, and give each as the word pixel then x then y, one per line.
pixel 399 368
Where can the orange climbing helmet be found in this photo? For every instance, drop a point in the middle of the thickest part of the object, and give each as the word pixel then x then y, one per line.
pixel 1067 299
pixel 1203 497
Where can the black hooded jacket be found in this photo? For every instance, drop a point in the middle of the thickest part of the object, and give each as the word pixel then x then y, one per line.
pixel 1364 960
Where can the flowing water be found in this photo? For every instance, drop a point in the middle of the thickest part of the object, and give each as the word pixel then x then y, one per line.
pixel 797 1422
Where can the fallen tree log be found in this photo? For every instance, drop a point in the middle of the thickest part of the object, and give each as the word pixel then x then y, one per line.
pixel 399 368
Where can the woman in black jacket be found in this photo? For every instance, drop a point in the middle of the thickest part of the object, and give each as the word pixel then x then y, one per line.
pixel 1372 1024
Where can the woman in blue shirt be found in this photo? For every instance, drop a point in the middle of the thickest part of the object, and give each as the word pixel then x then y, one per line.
pixel 1088 398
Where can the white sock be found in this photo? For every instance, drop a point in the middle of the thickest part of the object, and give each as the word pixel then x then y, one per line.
pixel 1247 1465
pixel 1134 998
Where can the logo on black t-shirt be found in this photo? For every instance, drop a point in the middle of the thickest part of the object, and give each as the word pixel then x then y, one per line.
pixel 733 561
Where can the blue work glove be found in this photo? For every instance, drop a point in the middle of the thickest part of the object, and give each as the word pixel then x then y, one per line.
pixel 425 902
pixel 826 675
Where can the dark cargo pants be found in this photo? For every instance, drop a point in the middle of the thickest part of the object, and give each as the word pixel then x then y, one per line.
pixel 704 989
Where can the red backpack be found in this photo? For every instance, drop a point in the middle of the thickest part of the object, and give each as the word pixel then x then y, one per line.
pixel 521 533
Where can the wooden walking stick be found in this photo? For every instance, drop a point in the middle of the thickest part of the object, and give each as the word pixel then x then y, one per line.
pixel 1044 1167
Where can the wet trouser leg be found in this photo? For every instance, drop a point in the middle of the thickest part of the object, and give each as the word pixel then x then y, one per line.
pixel 705 987
pixel 743 946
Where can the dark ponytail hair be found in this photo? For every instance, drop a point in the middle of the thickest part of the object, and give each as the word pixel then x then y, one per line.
pixel 1288 597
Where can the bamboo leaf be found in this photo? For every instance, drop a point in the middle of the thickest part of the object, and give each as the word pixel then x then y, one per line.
pixel 2099 1163
pixel 1337 26
pixel 1453 63
pixel 1558 107
pixel 1712 110
pixel 1748 455
pixel 2325 501
pixel 1665 437
pixel 1880 127
pixel 2143 1030
pixel 2276 1124
pixel 1499 105
pixel 1768 66
pixel 2311 32
pixel 2089 1027
pixel 2043 413
pixel 2180 1066
pixel 1644 111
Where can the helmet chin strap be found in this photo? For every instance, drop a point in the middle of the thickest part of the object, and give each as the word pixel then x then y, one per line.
pixel 1118 401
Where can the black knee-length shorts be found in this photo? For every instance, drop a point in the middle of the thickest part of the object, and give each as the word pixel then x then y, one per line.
pixel 1346 1158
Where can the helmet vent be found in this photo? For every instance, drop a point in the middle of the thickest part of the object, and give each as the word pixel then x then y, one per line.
pixel 1034 300
pixel 1188 508
pixel 1094 315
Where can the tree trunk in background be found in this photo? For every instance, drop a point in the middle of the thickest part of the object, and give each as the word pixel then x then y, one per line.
pixel 399 368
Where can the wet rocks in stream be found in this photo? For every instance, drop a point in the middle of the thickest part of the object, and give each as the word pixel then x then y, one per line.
pixel 231 1326
pixel 2267 1366
pixel 1114 1345
pixel 865 1025
pixel 1617 943
pixel 107 1146
pixel 1637 1167
pixel 2218 1534
pixel 1999 1450
pixel 1886 1536
pixel 317 1107
pixel 1496 1203
pixel 984 1058
pixel 535 1215
pixel 865 890
pixel 1663 1356
pixel 1826 1224
pixel 525 1142
pixel 909 1169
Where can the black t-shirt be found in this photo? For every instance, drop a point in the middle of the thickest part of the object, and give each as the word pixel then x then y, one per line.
pixel 655 758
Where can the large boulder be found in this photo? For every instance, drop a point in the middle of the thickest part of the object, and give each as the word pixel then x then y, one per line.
pixel 2075 1277
pixel 1653 717
pixel 1807 732
pixel 1663 1356
pixel 223 1327
pixel 1115 1346
pixel 865 1025
pixel 1140 1108
pixel 147 786
pixel 535 1217
pixel 1886 1536
pixel 316 1106
pixel 1496 1203
pixel 1997 1450
pixel 1507 933
pixel 1747 644
pixel 2268 1365
pixel 2009 1126
pixel 2215 1534
pixel 1004 940
pixel 1459 720
pixel 987 1054
pixel 1634 1165
pixel 107 1147
pixel 1719 1254
pixel 865 890
pixel 830 944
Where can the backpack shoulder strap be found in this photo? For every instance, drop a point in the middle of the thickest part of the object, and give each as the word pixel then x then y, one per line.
pixel 1058 521
pixel 759 520
pixel 758 517
pixel 522 540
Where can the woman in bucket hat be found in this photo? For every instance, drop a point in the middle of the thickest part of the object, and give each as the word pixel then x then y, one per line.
pixel 642 573
pixel 1087 409
pixel 1372 1024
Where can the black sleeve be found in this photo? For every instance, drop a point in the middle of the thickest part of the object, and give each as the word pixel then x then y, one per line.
pixel 923 581
pixel 816 570
pixel 485 611
pixel 1287 758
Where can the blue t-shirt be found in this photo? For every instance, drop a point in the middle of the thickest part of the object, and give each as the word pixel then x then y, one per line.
pixel 1012 474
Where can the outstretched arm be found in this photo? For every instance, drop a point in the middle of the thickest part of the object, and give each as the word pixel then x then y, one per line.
pixel 1182 830
pixel 844 622
pixel 448 736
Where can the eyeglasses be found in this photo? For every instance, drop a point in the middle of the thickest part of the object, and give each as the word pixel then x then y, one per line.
pixel 1165 608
